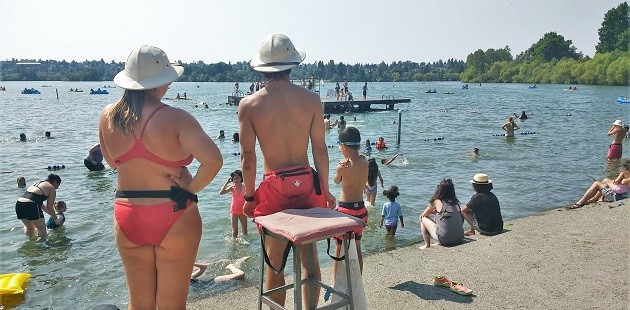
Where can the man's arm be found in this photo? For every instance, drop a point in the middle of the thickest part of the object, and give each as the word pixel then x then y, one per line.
pixel 612 131
pixel 247 139
pixel 320 151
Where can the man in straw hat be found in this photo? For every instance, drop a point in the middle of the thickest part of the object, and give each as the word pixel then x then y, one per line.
pixel 283 117
pixel 618 133
pixel 482 212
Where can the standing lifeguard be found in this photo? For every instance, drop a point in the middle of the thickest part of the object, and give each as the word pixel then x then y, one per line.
pixel 283 117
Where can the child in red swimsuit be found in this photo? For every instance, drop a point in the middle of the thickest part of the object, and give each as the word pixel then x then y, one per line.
pixel 234 185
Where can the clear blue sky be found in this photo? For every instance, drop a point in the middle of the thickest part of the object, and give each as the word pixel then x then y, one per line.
pixel 349 31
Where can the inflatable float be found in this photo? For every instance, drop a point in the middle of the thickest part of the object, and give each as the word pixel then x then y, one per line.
pixel 623 100
pixel 12 289
pixel 98 92
pixel 13 283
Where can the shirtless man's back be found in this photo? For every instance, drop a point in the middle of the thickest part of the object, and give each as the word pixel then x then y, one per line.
pixel 284 118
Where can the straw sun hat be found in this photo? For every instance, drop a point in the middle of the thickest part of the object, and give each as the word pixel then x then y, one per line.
pixel 147 67
pixel 618 123
pixel 276 54
pixel 480 178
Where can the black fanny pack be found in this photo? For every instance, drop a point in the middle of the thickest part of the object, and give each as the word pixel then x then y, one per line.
pixel 177 194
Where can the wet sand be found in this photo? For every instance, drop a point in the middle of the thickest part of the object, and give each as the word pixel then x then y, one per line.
pixel 558 259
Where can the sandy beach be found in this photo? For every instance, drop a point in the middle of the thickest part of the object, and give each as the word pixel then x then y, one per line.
pixel 558 259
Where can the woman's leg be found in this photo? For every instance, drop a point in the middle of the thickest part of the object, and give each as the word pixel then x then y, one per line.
pixel 426 225
pixel 234 223
pixel 243 220
pixel 174 259
pixel 29 228
pixel 139 263
pixel 40 225
pixel 372 198
pixel 590 192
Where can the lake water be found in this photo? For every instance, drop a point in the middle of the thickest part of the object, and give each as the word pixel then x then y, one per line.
pixel 79 267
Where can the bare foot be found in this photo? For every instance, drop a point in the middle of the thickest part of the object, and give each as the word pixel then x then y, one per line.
pixel 575 206
pixel 469 232
pixel 197 271
pixel 422 247
pixel 237 263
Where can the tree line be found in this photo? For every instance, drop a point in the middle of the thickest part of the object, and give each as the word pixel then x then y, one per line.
pixel 552 59
pixel 52 70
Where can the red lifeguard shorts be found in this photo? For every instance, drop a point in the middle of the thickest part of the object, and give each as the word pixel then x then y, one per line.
pixel 295 187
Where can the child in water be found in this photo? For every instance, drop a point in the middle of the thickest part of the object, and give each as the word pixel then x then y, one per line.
pixel 391 211
pixel 234 185
pixel 371 187
pixel 60 207
pixel 351 173
pixel 21 182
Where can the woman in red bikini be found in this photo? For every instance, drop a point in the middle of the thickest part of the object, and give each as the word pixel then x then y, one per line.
pixel 157 226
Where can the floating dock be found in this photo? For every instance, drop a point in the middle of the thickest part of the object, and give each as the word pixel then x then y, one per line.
pixel 334 106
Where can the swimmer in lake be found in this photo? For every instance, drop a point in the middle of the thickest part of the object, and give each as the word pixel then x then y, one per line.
pixel 509 127
pixel 385 161
pixel 234 268
pixel 522 116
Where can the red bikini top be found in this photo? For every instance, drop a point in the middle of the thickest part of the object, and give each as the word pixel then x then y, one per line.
pixel 138 150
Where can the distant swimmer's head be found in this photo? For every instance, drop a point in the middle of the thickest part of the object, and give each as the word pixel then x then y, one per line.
pixel 276 54
pixel 147 67
pixel 22 137
pixel 511 119
pixel 350 137
pixel 21 182
pixel 481 183
pixel 47 134
pixel 475 152
pixel 235 137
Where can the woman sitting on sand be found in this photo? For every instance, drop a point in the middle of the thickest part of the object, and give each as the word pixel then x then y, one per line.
pixel 607 189
pixel 442 219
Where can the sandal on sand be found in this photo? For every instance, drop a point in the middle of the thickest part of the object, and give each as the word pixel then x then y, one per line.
pixel 460 289
pixel 442 281
pixel 574 206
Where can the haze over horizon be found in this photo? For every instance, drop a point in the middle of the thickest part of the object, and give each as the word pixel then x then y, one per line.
pixel 350 31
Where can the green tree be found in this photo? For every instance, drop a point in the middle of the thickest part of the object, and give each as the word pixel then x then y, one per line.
pixel 615 31
pixel 550 46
